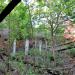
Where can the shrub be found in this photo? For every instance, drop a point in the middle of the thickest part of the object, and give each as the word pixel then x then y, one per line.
pixel 72 52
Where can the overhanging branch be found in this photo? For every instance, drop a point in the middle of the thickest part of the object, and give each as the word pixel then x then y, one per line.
pixel 8 9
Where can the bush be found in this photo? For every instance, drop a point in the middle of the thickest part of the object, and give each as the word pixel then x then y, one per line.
pixel 72 52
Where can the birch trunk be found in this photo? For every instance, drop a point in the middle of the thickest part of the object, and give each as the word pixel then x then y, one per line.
pixel 46 44
pixel 26 46
pixel 40 46
pixel 35 43
pixel 14 47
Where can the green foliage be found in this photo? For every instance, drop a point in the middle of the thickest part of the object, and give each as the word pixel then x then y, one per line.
pixel 19 56
pixel 72 52
pixel 43 54
pixel 20 23
pixel 34 52
pixel 60 30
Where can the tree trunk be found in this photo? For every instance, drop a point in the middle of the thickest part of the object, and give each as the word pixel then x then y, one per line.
pixel 53 42
pixel 14 47
pixel 53 50
pixel 40 45
pixel 35 43
pixel 26 46
pixel 46 44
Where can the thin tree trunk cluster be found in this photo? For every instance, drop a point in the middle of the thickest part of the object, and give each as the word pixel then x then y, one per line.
pixel 26 46
pixel 37 44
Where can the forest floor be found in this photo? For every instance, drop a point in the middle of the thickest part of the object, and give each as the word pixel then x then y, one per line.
pixel 34 65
